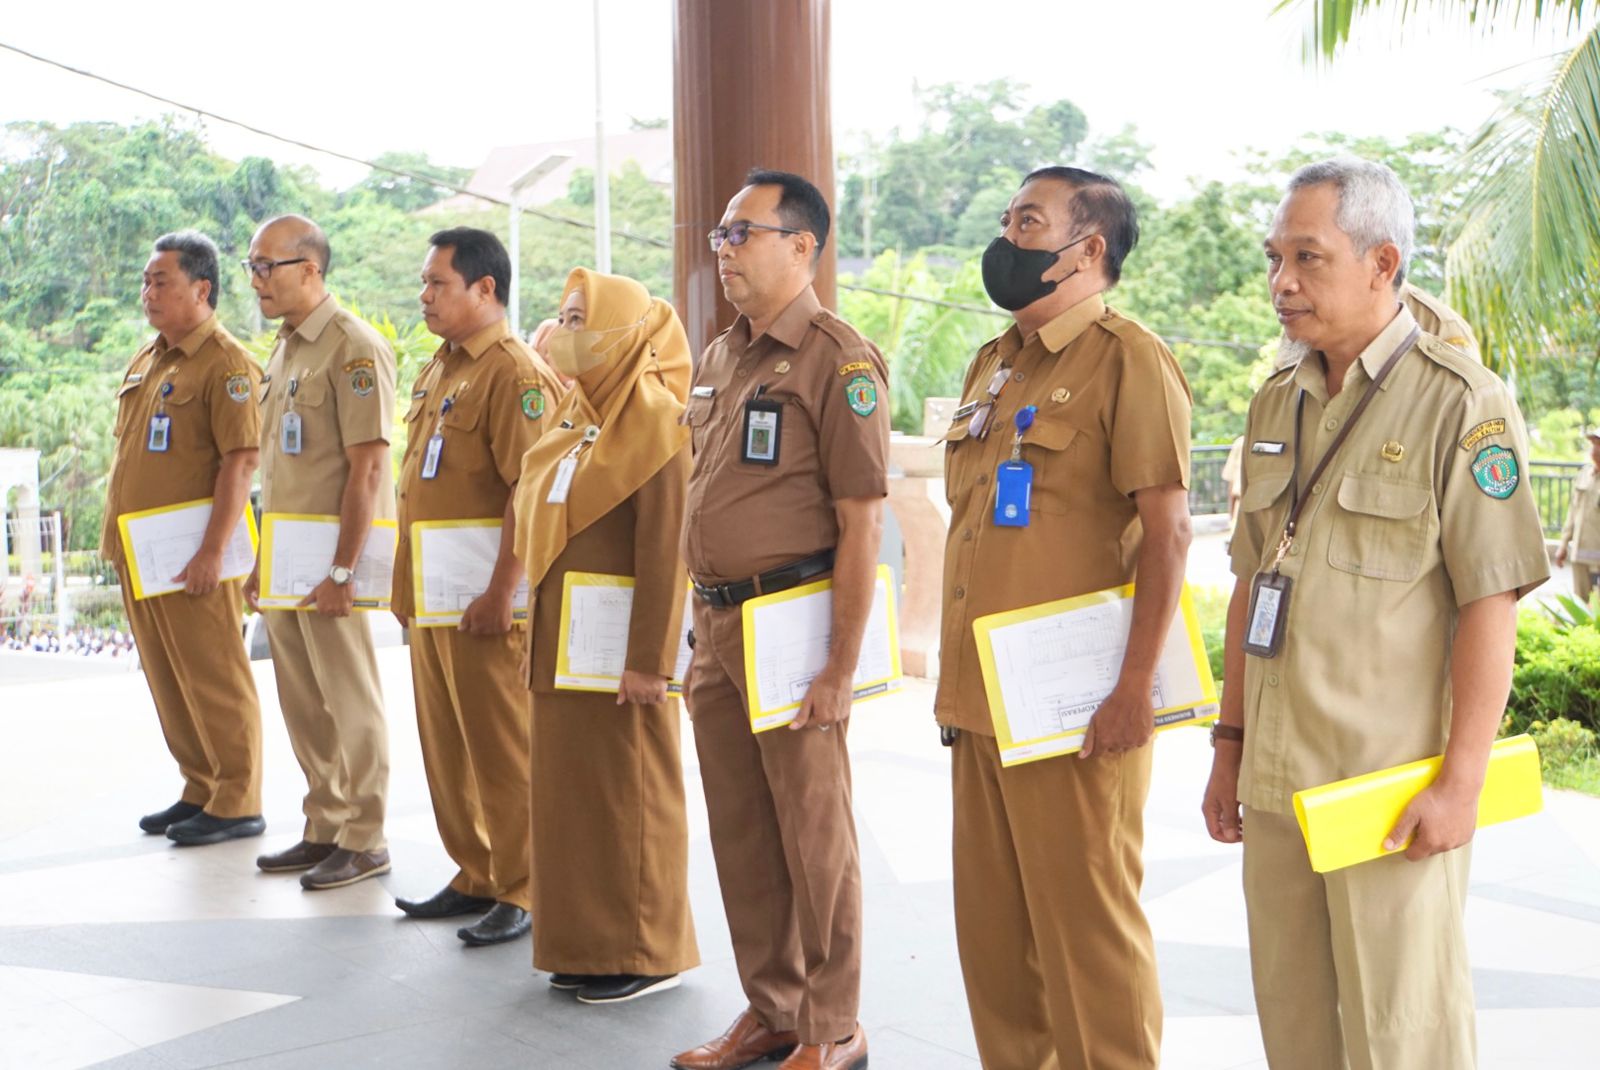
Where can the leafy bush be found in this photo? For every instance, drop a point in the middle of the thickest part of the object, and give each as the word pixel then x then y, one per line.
pixel 1557 674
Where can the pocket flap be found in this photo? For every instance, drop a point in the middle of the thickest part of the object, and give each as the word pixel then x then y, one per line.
pixel 1049 434
pixel 958 429
pixel 417 405
pixel 1263 490
pixel 311 392
pixel 1393 499
pixel 698 411
pixel 462 417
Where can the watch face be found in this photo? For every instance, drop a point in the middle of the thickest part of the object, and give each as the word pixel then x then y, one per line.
pixel 339 574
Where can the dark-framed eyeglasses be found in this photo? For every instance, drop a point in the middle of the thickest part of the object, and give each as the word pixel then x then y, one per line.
pixel 979 425
pixel 262 269
pixel 739 233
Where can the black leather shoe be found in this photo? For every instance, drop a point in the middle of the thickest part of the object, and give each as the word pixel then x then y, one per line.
pixel 202 829
pixel 178 811
pixel 571 982
pixel 445 903
pixel 302 855
pixel 622 987
pixel 503 922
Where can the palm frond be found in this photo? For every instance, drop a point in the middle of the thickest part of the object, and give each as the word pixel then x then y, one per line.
pixel 1328 27
pixel 1526 262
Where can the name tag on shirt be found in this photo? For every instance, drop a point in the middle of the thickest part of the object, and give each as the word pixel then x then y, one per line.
pixel 160 433
pixel 563 484
pixel 703 392
pixel 1273 448
pixel 430 459
pixel 762 425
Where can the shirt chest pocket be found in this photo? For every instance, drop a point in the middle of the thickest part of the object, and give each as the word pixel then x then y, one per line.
pixel 462 419
pixel 128 403
pixel 958 454
pixel 697 416
pixel 1380 527
pixel 311 394
pixel 1053 448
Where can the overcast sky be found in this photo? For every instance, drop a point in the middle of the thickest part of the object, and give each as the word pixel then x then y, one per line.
pixel 1199 80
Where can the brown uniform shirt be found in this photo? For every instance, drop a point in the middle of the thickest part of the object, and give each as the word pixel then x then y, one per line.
pixel 211 379
pixel 833 441
pixel 1113 418
pixel 1582 529
pixel 338 374
pixel 1425 508
pixel 498 398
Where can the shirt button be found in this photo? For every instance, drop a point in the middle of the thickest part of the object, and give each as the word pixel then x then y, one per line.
pixel 1272 680
pixel 1018 376
pixel 1316 488
pixel 1294 548
pixel 1332 425
pixel 966 536
pixel 961 592
pixel 742 372
pixel 982 479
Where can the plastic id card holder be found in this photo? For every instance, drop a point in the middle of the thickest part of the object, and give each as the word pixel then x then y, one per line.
pixel 1269 614
pixel 160 433
pixel 762 427
pixel 1013 487
pixel 289 436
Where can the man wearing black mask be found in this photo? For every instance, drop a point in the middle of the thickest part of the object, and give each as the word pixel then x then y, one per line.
pixel 1057 955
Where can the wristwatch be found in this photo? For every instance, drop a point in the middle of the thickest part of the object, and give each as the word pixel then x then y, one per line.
pixel 340 575
pixel 1228 732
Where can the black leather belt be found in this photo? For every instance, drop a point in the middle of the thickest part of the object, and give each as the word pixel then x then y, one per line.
pixel 779 579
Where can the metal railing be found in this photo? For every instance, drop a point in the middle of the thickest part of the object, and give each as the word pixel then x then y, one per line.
pixel 1208 491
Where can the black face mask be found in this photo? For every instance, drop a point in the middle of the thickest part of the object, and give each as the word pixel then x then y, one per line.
pixel 1011 274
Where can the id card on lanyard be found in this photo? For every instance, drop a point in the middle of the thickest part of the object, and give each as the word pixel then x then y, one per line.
pixel 161 424
pixel 1013 480
pixel 435 448
pixel 290 437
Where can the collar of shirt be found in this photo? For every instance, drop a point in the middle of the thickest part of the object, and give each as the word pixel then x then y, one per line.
pixel 1312 376
pixel 1062 331
pixel 314 324
pixel 789 328
pixel 191 341
pixel 478 344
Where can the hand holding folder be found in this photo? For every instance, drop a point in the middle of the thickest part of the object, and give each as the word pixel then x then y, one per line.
pixel 1346 822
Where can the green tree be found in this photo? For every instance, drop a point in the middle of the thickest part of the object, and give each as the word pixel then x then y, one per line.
pixel 404 193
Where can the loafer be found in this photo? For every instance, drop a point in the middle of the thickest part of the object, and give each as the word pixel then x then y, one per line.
pixel 503 922
pixel 747 1041
pixel 161 819
pixel 621 987
pixel 344 867
pixel 571 982
pixel 847 1054
pixel 445 903
pixel 302 855
pixel 203 828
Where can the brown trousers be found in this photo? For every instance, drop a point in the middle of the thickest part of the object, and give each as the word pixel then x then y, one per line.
pixel 1058 958
pixel 1364 968
pixel 192 652
pixel 472 720
pixel 333 707
pixel 784 840
pixel 610 838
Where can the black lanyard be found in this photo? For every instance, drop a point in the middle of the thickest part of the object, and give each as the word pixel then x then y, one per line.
pixel 1296 503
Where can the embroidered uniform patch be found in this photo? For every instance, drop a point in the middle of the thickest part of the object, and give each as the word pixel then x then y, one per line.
pixel 363 382
pixel 239 388
pixel 1487 429
pixel 862 394
pixel 533 404
pixel 1496 471
pixel 858 366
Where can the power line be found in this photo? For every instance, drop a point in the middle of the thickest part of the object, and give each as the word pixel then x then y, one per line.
pixel 437 183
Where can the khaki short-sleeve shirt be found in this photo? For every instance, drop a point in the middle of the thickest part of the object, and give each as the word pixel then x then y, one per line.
pixel 832 441
pixel 498 397
pixel 1425 508
pixel 1112 419
pixel 204 386
pixel 1582 528
pixel 338 374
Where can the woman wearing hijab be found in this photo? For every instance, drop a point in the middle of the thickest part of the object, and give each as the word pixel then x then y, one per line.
pixel 603 492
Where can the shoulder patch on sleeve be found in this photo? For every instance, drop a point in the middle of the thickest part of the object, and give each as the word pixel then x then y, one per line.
pixel 1496 471
pixel 862 395
pixel 533 403
pixel 1487 429
pixel 856 366
pixel 238 387
pixel 363 380
pixel 359 362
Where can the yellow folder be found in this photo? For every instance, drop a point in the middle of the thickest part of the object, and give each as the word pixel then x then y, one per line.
pixel 1345 822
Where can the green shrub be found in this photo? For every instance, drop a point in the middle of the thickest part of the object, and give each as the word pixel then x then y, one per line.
pixel 1557 673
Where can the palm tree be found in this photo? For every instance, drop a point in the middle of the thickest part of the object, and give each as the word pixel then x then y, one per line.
pixel 1525 264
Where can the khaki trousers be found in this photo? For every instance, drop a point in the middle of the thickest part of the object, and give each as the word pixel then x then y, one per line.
pixel 1363 968
pixel 1058 958
pixel 333 707
pixel 472 719
pixel 1582 582
pixel 610 838
pixel 784 840
pixel 192 652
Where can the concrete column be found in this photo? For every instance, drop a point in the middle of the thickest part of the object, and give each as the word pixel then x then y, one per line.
pixel 750 89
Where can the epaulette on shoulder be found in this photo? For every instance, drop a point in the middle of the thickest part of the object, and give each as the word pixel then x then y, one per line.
pixel 1447 356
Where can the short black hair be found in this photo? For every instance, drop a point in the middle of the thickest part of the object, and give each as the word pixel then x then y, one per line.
pixel 477 253
pixel 1101 205
pixel 197 257
pixel 802 205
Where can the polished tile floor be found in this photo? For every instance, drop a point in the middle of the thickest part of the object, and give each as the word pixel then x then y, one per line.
pixel 117 947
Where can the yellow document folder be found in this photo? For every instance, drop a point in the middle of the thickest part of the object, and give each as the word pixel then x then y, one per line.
pixel 1345 822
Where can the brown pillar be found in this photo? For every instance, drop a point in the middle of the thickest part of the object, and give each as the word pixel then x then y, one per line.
pixel 750 89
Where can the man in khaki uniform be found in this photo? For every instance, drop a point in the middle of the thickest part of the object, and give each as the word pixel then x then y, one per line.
pixel 1583 524
pixel 187 429
pixel 769 511
pixel 1407 557
pixel 326 410
pixel 1057 955
pixel 482 399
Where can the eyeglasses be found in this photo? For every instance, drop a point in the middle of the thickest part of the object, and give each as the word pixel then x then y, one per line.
pixel 739 233
pixel 262 269
pixel 978 426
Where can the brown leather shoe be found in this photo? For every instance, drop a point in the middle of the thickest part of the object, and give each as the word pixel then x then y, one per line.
pixel 344 867
pixel 847 1054
pixel 302 855
pixel 746 1042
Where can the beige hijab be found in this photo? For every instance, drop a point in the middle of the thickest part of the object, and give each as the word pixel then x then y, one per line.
pixel 635 399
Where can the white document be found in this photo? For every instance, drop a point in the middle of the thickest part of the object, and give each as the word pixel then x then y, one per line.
pixel 1055 671
pixel 161 544
pixel 596 637
pixel 787 642
pixel 297 552
pixel 454 563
